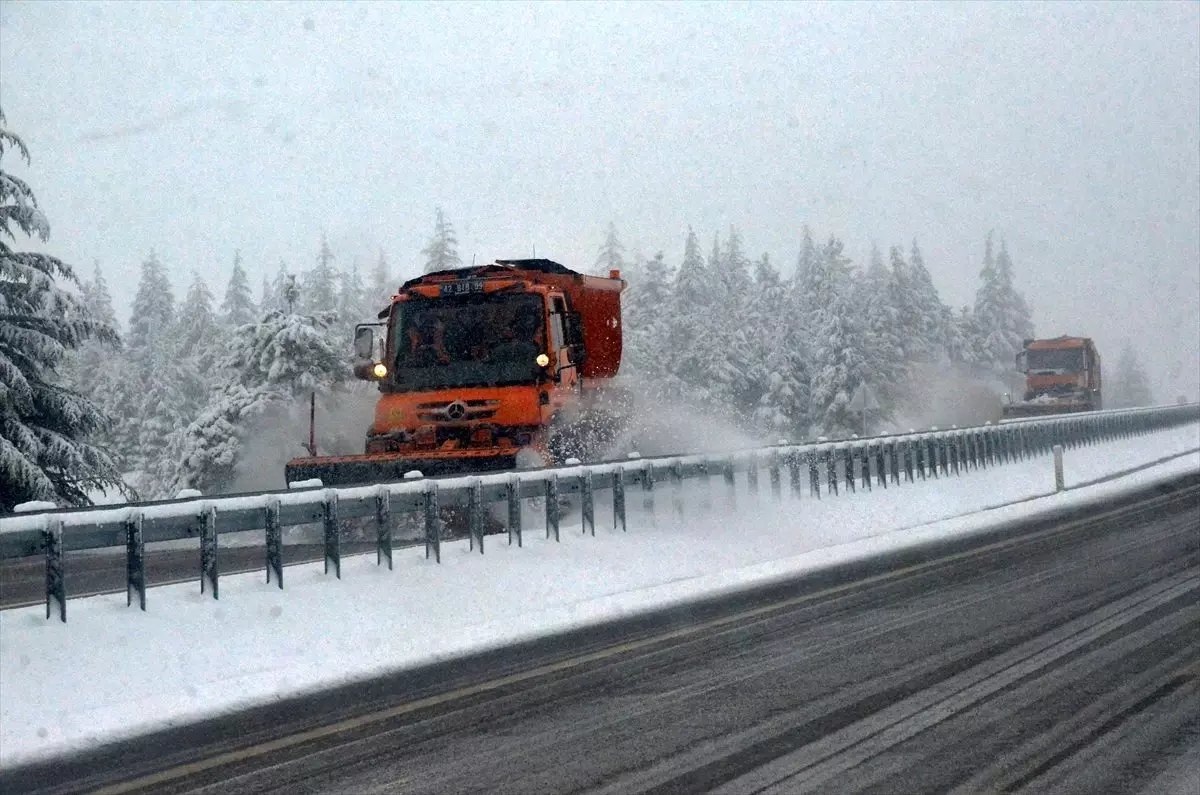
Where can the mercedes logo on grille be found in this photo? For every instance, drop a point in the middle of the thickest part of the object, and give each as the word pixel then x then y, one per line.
pixel 456 410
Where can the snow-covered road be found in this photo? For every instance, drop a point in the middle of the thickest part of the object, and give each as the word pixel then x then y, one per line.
pixel 113 671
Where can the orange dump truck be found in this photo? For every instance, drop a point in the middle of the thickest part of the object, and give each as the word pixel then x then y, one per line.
pixel 484 369
pixel 1061 375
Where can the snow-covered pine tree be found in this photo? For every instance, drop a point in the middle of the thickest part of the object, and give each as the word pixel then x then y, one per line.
pixel 441 253
pixel 279 282
pixel 198 330
pixel 153 312
pixel 610 255
pixel 1128 387
pixel 272 367
pixel 645 317
pixel 690 335
pixel 352 305
pixel 149 364
pixel 380 289
pixel 1001 315
pixel 881 327
pixel 930 309
pixel 838 363
pixel 237 307
pixel 319 289
pixel 45 452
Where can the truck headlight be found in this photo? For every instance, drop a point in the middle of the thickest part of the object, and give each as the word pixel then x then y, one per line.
pixel 380 370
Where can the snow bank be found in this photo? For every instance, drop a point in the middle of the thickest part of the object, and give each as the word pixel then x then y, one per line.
pixel 115 672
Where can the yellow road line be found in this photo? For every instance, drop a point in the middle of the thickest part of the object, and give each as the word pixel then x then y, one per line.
pixel 349 724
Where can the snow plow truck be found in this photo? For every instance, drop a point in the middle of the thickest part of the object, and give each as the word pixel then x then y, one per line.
pixel 483 369
pixel 1062 375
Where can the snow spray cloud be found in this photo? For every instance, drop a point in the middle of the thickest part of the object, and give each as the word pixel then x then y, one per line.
pixel 661 424
pixel 342 419
pixel 942 395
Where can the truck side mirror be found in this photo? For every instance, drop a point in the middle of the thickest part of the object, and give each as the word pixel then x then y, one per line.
pixel 1023 362
pixel 364 342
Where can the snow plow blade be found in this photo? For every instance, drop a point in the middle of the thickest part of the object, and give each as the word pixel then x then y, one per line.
pixel 1021 410
pixel 357 470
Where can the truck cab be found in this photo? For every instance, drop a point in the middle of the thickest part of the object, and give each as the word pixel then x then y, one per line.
pixel 1061 375
pixel 483 369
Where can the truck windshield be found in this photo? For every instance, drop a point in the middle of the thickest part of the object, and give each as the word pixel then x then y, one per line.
pixel 1066 360
pixel 476 340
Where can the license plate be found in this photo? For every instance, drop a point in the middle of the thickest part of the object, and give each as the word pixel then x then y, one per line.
pixel 464 287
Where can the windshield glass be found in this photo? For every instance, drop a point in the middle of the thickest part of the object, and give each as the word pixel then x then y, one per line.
pixel 1060 360
pixel 480 340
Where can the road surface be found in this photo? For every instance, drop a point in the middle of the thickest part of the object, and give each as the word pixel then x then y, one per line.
pixel 1061 656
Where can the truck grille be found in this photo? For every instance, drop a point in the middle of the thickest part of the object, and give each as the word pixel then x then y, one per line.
pixel 441 411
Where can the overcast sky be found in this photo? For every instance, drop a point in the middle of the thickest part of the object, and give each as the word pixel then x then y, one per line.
pixel 1071 129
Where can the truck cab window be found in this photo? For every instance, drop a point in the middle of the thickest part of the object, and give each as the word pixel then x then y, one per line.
pixel 557 337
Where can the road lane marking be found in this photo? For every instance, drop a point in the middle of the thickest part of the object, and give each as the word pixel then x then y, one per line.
pixel 360 721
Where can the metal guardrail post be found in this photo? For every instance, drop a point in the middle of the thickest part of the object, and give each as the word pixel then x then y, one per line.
pixel 881 465
pixel 475 514
pixel 587 499
pixel 831 478
pixel 752 475
pixel 677 488
pixel 730 483
pixel 332 534
pixel 907 452
pixel 619 500
pixel 274 533
pixel 383 527
pixel 208 549
pixel 849 469
pixel 774 476
pixel 794 482
pixel 135 560
pixel 56 581
pixel 647 477
pixel 433 523
pixel 706 497
pixel 512 494
pixel 814 475
pixel 551 486
pixel 1059 482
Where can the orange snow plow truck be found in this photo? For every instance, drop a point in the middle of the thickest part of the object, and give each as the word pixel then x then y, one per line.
pixel 1062 375
pixel 482 369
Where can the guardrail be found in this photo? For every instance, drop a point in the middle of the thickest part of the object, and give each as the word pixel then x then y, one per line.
pixel 820 468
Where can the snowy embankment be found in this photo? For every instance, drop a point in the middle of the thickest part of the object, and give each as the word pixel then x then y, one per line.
pixel 113 672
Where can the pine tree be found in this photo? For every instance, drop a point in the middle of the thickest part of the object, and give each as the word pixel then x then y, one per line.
pixel 882 328
pixel 237 308
pixel 153 312
pixel 838 363
pixel 735 267
pixel 611 254
pixel 380 290
pixel 319 285
pixel 645 316
pixel 275 300
pixel 272 367
pixel 442 251
pixel 693 288
pixel 352 301
pixel 1128 387
pixel 197 331
pixel 1001 315
pixel 44 427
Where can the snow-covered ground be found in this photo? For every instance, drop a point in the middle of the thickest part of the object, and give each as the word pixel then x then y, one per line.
pixel 112 671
